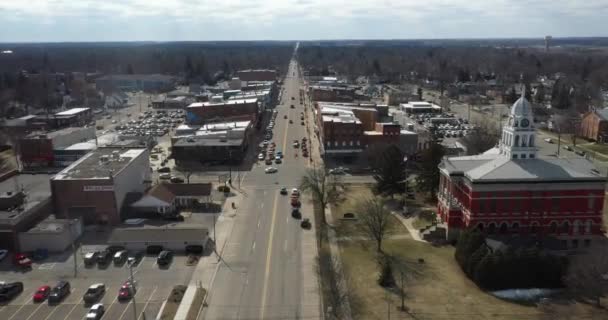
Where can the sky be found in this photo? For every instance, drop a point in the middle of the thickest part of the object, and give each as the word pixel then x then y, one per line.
pixel 201 20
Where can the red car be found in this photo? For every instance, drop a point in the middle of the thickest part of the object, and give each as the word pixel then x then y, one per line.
pixel 126 291
pixel 42 293
pixel 21 260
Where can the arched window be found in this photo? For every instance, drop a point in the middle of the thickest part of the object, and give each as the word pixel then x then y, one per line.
pixel 504 228
pixel 479 227
pixel 565 228
pixel 515 227
pixel 576 226
pixel 515 123
pixel 534 228
pixel 588 225
pixel 491 228
pixel 553 227
pixel 524 140
pixel 516 144
pixel 531 142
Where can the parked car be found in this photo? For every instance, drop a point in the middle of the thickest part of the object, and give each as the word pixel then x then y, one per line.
pixel 548 140
pixel 96 312
pixel 59 292
pixel 278 160
pixel 580 153
pixel 22 260
pixel 165 176
pixel 127 291
pixel 94 293
pixel 194 249
pixel 42 293
pixel 90 258
pixel 175 179
pixel 305 224
pixel 104 257
pixel 120 257
pixel 569 148
pixel 271 170
pixel 8 291
pixel 164 169
pixel 261 156
pixel 154 249
pixel 164 258
pixel 135 258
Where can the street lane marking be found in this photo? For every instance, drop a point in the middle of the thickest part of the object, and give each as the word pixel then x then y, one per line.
pixel 74 307
pixel 268 255
pixel 259 222
pixel 55 307
pixel 147 302
pixel 285 245
pixel 253 246
pixel 262 206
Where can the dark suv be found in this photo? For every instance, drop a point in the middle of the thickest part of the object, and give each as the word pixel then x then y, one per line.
pixel 8 291
pixel 59 292
pixel 104 257
pixel 164 258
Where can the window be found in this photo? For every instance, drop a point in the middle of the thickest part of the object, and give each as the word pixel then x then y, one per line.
pixel 514 156
pixel 532 156
pixel 516 144
pixel 534 228
pixel 588 225
pixel 480 226
pixel 531 142
pixel 492 205
pixel 515 227
pixel 482 205
pixel 516 204
pixel 587 242
pixel 553 227
pixel 537 202
pixel 491 228
pixel 523 156
pixel 352 143
pixel 504 228
pixel 524 140
pixel 555 204
pixel 565 228
pixel 575 243
pixel 590 202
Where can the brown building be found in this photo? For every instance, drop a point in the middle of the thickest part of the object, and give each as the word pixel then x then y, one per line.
pixel 257 75
pixel 37 149
pixel 94 187
pixel 332 94
pixel 225 111
pixel 594 126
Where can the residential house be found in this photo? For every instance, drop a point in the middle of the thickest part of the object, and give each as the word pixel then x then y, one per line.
pixel 594 125
pixel 167 198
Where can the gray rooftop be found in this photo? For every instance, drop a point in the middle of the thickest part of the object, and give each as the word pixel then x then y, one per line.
pixel 143 77
pixel 489 167
pixel 36 187
pixel 100 164
pixel 177 233
pixel 603 113
pixel 218 142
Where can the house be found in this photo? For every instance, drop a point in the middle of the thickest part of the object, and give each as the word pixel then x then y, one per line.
pixel 167 198
pixel 594 126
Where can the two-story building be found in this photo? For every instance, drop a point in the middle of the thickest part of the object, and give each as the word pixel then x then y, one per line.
pixel 510 190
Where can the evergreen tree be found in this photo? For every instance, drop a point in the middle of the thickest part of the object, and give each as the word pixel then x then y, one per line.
pixel 475 259
pixel 428 178
pixel 390 171
pixel 539 95
pixel 419 92
pixel 512 96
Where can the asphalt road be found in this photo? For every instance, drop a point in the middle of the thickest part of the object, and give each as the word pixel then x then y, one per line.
pixel 261 277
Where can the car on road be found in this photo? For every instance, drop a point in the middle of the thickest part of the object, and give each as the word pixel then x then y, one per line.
pixel 580 153
pixel 302 123
pixel 96 312
pixel 175 179
pixel 278 160
pixel 127 291
pixel 164 169
pixel 3 254
pixel 548 140
pixel 271 170
pixel 59 292
pixel 295 192
pixel 296 144
pixel 164 258
pixel 569 148
pixel 296 214
pixel 285 117
pixel 261 156
pixel 41 294
pixel 114 121
pixel 94 293
pixel 337 171
pixel 305 224
pixel 8 291
pixel 284 191
pixel 165 176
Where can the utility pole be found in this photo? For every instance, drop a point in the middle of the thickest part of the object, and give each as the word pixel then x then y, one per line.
pixel 402 293
pixel 133 292
pixel 388 307
pixel 559 140
pixel 74 249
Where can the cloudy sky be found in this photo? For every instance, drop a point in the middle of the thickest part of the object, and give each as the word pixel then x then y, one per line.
pixel 161 20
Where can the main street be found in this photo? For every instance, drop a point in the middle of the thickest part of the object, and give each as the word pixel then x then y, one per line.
pixel 262 274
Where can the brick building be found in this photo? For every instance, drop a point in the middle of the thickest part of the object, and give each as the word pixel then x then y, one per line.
pixel 509 190
pixel 331 93
pixel 231 110
pixel 38 149
pixel 594 126
pixel 94 187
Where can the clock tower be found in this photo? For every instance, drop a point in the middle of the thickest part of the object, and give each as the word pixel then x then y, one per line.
pixel 517 140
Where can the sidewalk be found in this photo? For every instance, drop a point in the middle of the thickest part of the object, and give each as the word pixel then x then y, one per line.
pixel 335 253
pixel 207 266
pixel 408 223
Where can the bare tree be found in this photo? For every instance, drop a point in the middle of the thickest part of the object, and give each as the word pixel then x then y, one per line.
pixel 567 122
pixel 335 278
pixel 324 187
pixel 481 139
pixel 587 274
pixel 375 220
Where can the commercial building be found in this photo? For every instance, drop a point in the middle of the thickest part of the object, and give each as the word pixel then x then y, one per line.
pixel 71 118
pixel 332 93
pixel 21 126
pixel 174 237
pixel 218 142
pixel 25 200
pixel 257 75
pixel 94 187
pixel 38 149
pixel 53 235
pixel 510 190
pixel 223 111
pixel 594 126
pixel 136 82
pixel 415 107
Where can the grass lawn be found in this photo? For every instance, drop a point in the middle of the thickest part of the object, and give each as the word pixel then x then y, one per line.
pixel 435 289
pixel 424 219
pixel 343 227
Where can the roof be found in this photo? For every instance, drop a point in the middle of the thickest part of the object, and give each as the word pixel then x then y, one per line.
pixel 206 141
pixel 36 187
pixel 100 164
pixel 148 77
pixel 191 233
pixel 52 225
pixel 419 105
pixel 331 114
pixel 603 114
pixel 224 102
pixel 71 112
pixel 493 167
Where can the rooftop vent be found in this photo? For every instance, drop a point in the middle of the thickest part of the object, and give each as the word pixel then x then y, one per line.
pixel 104 159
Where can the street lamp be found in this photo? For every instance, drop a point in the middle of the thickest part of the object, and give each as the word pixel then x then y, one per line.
pixel 405 181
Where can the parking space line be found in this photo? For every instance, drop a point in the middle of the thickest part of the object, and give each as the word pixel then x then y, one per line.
pixel 147 302
pixel 16 312
pixel 111 305
pixel 74 307
pixel 125 310
pixel 36 310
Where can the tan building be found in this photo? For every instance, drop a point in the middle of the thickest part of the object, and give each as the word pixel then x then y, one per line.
pixel 594 126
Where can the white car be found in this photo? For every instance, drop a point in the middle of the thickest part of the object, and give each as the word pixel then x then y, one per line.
pixel 295 192
pixel 165 176
pixel 96 312
pixel 271 170
pixel 261 156
pixel 548 140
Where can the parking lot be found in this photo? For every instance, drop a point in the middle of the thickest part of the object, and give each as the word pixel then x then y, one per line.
pixel 153 286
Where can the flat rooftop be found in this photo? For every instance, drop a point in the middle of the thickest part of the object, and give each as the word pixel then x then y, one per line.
pixel 178 233
pixel 222 103
pixel 56 133
pixel 100 164
pixel 71 112
pixel 206 141
pixel 36 187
